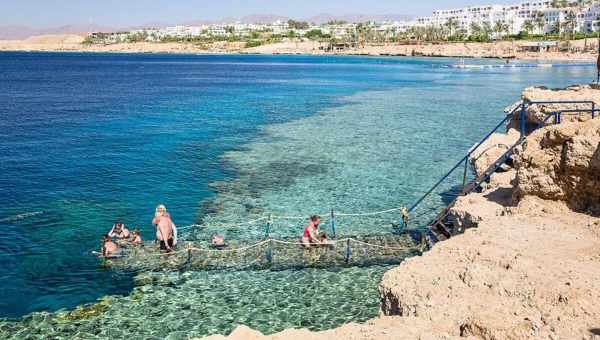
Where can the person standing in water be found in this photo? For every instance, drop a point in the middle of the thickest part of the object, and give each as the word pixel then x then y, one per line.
pixel 119 231
pixel 166 231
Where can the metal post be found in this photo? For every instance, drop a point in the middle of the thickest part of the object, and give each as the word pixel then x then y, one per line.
pixel 270 252
pixel 189 257
pixel 268 226
pixel 465 173
pixel 523 117
pixel 348 251
pixel 593 110
pixel 332 223
pixel 598 60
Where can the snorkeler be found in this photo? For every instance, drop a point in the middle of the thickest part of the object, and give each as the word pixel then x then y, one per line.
pixel 311 232
pixel 109 248
pixel 218 241
pixel 119 231
pixel 166 232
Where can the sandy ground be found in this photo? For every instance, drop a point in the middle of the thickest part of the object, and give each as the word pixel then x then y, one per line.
pixel 502 49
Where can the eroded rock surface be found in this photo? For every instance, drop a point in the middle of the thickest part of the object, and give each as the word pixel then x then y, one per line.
pixel 492 149
pixel 562 162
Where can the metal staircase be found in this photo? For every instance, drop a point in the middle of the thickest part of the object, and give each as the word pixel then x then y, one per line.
pixel 442 227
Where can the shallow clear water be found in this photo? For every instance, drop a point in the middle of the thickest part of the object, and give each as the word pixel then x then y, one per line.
pixel 87 139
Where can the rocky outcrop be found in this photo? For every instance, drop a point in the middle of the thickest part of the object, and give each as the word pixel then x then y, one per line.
pixel 536 114
pixel 562 162
pixel 526 224
pixel 526 273
pixel 492 149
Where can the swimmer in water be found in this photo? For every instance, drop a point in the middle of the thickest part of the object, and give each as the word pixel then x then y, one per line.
pixel 136 238
pixel 109 248
pixel 218 241
pixel 119 231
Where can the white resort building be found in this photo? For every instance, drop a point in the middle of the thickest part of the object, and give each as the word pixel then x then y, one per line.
pixel 533 16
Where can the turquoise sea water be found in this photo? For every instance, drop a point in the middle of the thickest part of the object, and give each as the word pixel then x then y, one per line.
pixel 87 139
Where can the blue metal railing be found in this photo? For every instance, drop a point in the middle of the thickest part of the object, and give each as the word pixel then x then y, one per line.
pixel 523 109
pixel 458 164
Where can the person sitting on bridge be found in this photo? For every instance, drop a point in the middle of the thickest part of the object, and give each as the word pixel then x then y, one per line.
pixel 119 231
pixel 109 247
pixel 311 232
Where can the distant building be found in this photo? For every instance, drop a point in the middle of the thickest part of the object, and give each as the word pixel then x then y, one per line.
pixel 542 16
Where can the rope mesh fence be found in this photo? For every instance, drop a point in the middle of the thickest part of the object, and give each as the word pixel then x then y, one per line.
pixel 274 254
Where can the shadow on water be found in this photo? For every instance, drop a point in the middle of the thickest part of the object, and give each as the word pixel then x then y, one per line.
pixel 449 195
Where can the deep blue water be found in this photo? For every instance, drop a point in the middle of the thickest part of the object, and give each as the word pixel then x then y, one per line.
pixel 86 139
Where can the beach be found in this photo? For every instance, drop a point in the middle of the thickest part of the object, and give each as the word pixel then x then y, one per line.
pixel 499 49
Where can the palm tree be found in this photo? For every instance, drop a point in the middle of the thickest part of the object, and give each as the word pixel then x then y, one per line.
pixel 452 25
pixel 486 30
pixel 499 28
pixel 556 28
pixel 510 27
pixel 475 30
pixel 362 33
pixel 539 21
pixel 528 26
pixel 570 22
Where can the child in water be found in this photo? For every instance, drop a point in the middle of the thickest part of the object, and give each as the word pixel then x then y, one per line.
pixel 136 238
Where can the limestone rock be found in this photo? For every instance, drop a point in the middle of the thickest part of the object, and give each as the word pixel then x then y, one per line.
pixel 492 149
pixel 562 162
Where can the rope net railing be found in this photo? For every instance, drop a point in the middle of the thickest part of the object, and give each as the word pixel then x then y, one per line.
pixel 274 254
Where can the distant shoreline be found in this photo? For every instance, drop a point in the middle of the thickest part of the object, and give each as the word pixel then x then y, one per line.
pixel 580 50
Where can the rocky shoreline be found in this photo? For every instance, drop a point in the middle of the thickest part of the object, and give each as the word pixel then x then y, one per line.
pixel 500 49
pixel 528 267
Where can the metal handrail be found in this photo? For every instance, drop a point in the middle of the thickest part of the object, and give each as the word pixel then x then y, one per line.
pixel 522 107
pixel 498 163
pixel 459 163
